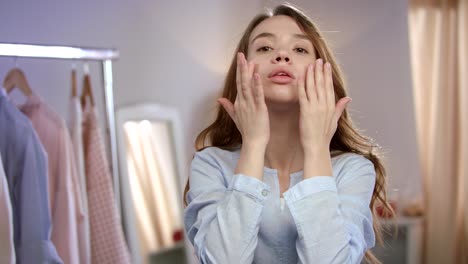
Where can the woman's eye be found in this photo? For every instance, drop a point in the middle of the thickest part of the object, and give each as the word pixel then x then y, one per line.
pixel 264 48
pixel 301 50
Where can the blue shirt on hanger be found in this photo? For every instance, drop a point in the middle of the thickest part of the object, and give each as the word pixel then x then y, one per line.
pixel 234 218
pixel 25 164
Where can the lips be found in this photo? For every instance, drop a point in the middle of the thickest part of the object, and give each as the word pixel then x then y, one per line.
pixel 281 76
pixel 281 72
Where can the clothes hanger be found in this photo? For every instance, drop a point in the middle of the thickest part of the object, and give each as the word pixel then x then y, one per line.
pixel 16 78
pixel 87 90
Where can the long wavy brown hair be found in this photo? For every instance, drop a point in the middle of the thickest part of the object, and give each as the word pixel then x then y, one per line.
pixel 223 133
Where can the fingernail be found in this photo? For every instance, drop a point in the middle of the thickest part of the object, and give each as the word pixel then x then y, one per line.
pixel 320 62
pixel 328 65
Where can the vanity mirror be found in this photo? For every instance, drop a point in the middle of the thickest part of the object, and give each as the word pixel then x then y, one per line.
pixel 151 160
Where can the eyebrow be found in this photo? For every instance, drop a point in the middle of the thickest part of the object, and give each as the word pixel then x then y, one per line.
pixel 271 35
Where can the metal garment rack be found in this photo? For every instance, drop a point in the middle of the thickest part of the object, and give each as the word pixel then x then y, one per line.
pixel 105 56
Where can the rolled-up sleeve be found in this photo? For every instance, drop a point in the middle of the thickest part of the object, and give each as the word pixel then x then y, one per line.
pixel 223 213
pixel 332 214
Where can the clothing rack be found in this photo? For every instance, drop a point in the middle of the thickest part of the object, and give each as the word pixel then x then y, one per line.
pixel 105 56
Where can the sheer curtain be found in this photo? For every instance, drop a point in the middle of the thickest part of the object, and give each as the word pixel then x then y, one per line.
pixel 438 43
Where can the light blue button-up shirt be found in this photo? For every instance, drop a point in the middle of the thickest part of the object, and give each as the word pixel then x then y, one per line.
pixel 25 163
pixel 235 218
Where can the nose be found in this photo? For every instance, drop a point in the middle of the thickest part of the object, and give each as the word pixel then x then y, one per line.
pixel 281 56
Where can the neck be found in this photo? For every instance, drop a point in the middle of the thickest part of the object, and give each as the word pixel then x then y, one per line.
pixel 284 150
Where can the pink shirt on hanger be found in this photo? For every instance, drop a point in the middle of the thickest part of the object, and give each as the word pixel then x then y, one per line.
pixel 64 194
pixel 107 240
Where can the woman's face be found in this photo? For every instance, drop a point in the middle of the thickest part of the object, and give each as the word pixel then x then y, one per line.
pixel 278 44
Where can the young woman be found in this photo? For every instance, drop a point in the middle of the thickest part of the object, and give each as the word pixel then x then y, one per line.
pixel 286 178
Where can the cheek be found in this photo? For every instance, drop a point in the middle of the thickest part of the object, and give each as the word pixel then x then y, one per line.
pixel 263 71
pixel 302 70
pixel 254 58
pixel 261 65
pixel 251 56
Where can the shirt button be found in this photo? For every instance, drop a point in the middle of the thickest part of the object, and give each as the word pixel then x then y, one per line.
pixel 265 192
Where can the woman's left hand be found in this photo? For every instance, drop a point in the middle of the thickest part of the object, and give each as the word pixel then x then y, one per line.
pixel 319 115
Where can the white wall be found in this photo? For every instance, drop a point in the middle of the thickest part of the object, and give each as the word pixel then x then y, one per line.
pixel 176 53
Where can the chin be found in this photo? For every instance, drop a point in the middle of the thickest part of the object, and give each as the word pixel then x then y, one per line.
pixel 282 95
pixel 282 103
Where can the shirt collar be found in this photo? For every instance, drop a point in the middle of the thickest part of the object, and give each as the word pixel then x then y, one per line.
pixel 32 101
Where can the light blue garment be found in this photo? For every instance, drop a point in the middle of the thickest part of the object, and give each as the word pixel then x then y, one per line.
pixel 25 164
pixel 238 219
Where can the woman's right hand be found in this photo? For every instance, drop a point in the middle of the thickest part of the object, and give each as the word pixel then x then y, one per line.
pixel 249 112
